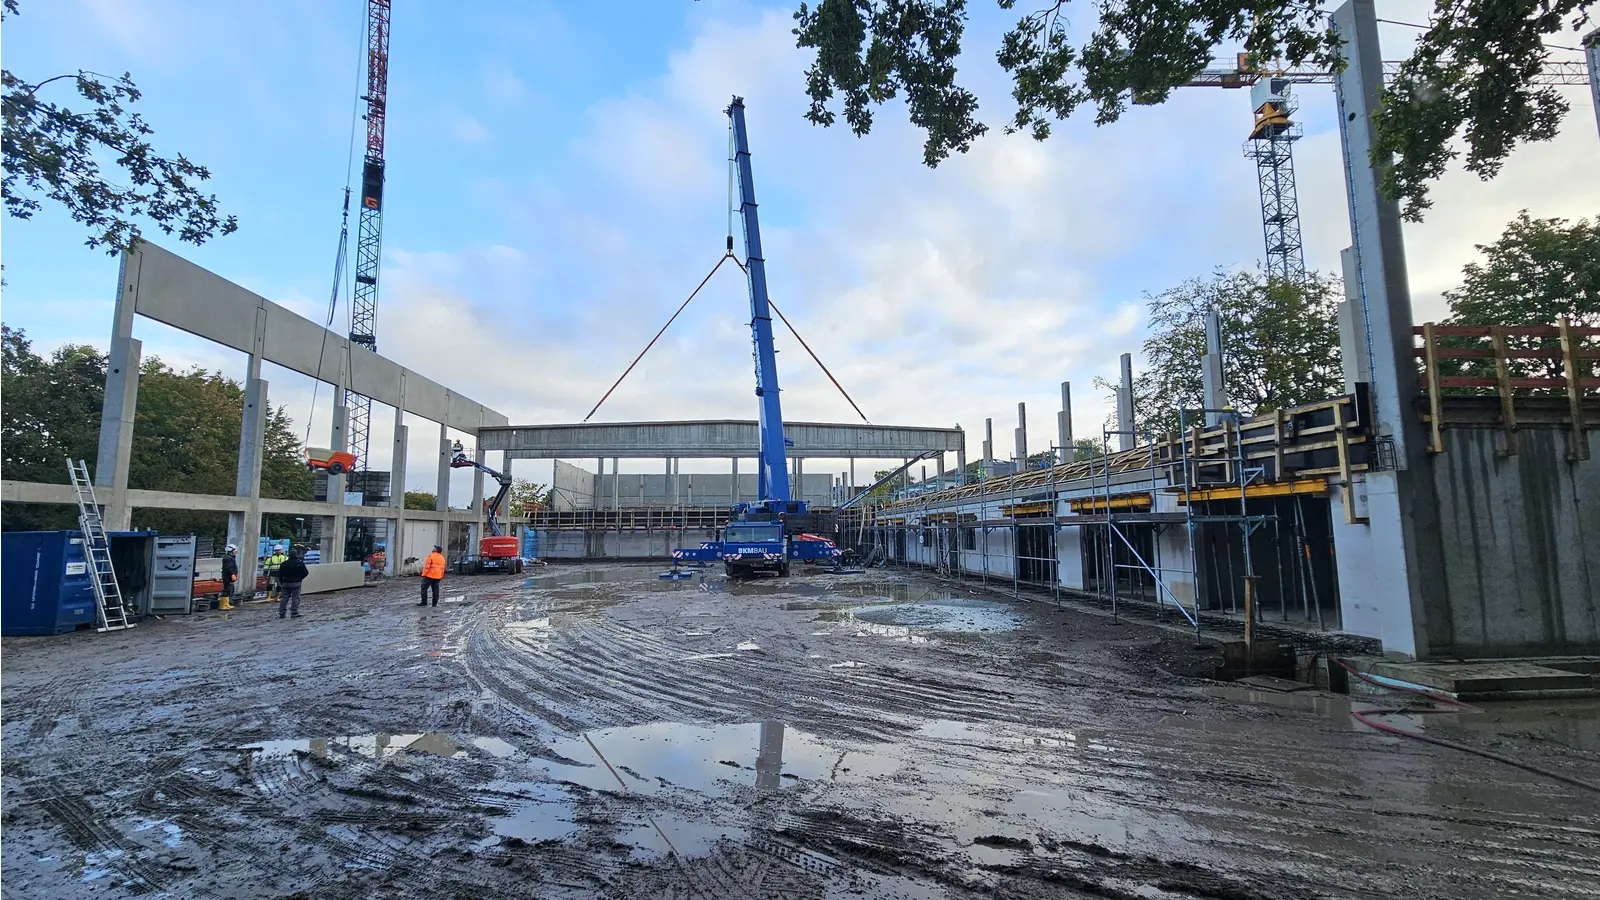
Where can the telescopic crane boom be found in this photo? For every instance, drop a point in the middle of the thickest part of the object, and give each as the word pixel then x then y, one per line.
pixel 497 551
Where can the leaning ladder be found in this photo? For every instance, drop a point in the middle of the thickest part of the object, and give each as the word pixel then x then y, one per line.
pixel 113 613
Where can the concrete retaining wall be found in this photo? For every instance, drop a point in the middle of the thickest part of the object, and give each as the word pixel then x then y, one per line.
pixel 1521 546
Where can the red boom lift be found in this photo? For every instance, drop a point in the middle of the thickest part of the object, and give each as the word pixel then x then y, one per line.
pixel 497 551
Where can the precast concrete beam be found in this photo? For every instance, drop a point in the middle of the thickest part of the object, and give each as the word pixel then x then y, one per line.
pixel 713 439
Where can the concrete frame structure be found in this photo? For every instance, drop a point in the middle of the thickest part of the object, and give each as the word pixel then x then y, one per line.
pixel 162 286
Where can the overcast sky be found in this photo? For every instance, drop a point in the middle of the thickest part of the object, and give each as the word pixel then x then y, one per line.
pixel 557 184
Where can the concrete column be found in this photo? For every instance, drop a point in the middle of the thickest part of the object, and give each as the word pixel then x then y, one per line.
pixel 116 433
pixel 244 528
pixel 1213 392
pixel 334 544
pixel 395 552
pixel 988 439
pixel 441 490
pixel 475 533
pixel 616 483
pixel 799 478
pixel 1021 435
pixel 1064 422
pixel 733 489
pixel 940 464
pixel 1353 354
pixel 1125 405
pixel 1402 505
pixel 961 459
pixel 852 476
pixel 115 450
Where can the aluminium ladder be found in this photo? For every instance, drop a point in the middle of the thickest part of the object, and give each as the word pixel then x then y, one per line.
pixel 113 613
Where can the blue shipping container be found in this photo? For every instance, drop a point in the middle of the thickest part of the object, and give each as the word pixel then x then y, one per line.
pixel 44 583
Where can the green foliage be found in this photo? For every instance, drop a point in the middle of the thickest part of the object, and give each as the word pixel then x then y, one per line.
pixel 1280 345
pixel 185 435
pixel 53 153
pixel 1538 271
pixel 526 495
pixel 421 500
pixel 1470 72
pixel 1470 75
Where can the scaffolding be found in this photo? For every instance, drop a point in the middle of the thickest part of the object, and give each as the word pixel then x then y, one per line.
pixel 1229 480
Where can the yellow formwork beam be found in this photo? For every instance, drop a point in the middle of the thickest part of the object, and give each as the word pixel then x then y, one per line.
pixel 1279 489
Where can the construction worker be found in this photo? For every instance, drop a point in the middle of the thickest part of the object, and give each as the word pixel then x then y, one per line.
pixel 292 573
pixel 230 574
pixel 273 563
pixel 432 574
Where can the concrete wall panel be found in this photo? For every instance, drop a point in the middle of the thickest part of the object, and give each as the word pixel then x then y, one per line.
pixel 1521 541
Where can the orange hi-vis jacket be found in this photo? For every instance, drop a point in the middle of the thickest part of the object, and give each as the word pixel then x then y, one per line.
pixel 433 566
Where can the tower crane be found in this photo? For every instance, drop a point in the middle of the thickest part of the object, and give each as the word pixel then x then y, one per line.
pixel 1272 138
pixel 369 252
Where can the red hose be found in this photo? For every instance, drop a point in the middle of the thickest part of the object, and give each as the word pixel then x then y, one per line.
pixel 1365 717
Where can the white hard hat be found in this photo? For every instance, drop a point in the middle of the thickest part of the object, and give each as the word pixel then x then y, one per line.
pixel 232 548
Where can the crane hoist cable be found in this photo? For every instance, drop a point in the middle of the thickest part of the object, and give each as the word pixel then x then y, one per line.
pixel 814 358
pixel 343 254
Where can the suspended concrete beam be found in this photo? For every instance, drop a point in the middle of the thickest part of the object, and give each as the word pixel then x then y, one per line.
pixel 718 439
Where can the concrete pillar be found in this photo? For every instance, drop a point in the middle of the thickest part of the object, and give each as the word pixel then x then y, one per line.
pixel 475 531
pixel 1021 435
pixel 116 433
pixel 1353 353
pixel 961 459
pixel 799 478
pixel 395 552
pixel 441 490
pixel 733 488
pixel 334 543
pixel 1064 422
pixel 940 465
pixel 1213 393
pixel 616 483
pixel 1401 503
pixel 1125 405
pixel 115 450
pixel 988 439
pixel 244 528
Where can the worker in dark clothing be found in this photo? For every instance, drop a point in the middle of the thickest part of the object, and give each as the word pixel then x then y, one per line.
pixel 432 575
pixel 230 574
pixel 292 573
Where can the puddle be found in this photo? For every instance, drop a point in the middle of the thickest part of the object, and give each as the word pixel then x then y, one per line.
pixel 542 813
pixel 948 614
pixel 380 746
pixel 172 835
pixel 495 747
pixel 670 835
pixel 591 576
pixel 668 756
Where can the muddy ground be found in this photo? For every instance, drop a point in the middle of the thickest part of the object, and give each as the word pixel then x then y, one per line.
pixel 598 732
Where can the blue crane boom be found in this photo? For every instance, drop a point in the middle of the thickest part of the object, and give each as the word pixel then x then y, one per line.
pixel 770 533
pixel 772 481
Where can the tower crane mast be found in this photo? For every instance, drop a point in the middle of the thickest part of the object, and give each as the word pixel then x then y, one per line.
pixel 369 234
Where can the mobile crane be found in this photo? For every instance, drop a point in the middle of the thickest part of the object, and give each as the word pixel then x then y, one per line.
pixel 766 535
pixel 497 551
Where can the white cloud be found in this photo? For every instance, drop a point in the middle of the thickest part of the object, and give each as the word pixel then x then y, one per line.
pixel 467 129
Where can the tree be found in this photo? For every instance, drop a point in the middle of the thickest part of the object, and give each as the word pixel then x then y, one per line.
pixel 1471 71
pixel 185 435
pixel 53 153
pixel 527 496
pixel 1538 271
pixel 421 500
pixel 1280 344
